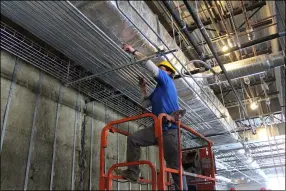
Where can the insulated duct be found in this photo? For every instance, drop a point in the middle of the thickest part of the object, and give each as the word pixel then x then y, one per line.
pixel 249 162
pixel 108 18
pixel 92 36
pixel 250 66
pixel 211 116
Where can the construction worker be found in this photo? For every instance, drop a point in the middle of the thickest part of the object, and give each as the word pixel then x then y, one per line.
pixel 163 99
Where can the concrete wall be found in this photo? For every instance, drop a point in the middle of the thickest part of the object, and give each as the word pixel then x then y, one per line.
pixel 21 117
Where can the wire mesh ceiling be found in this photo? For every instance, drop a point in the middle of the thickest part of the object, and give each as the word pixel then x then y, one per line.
pixel 62 70
pixel 66 72
pixel 90 47
pixel 26 49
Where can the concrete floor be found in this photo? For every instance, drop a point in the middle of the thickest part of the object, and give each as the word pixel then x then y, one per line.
pixel 19 124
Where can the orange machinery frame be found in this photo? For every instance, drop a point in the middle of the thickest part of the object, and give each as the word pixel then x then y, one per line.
pixel 105 181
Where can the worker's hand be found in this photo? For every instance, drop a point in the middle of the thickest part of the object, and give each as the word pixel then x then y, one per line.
pixel 128 48
pixel 142 82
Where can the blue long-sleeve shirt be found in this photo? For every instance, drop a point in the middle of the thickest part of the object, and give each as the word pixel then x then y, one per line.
pixel 164 98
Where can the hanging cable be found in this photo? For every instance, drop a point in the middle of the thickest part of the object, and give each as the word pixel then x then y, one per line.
pixel 217 79
pixel 82 155
pixel 272 121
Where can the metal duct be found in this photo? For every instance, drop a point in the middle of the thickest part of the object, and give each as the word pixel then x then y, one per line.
pixel 106 15
pixel 249 162
pixel 207 112
pixel 219 119
pixel 250 66
pixel 96 46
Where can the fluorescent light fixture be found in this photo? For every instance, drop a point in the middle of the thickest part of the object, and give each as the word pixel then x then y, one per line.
pixel 262 134
pixel 224 49
pixel 254 105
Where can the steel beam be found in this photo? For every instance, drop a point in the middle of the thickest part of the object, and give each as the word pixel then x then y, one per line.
pixel 259 116
pixel 264 151
pixel 261 24
pixel 270 95
pixel 252 83
pixel 260 157
pixel 251 43
pixel 91 147
pixel 193 26
pixel 248 169
pixel 251 148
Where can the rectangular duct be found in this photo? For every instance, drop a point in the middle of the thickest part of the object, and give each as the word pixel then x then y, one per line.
pixel 96 46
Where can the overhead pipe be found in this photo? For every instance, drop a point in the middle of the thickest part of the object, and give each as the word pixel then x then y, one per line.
pixel 249 66
pixel 207 39
pixel 192 27
pixel 251 43
pixel 184 28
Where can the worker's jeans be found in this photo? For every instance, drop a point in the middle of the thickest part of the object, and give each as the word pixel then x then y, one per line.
pixel 146 137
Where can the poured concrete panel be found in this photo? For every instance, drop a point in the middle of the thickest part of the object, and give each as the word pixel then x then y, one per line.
pixel 16 142
pixel 5 86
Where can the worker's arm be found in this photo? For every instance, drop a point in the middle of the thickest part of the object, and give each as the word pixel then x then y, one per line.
pixel 150 66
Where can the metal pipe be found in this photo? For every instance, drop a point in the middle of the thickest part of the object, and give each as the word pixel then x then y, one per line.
pixel 129 186
pixel 120 67
pixel 74 139
pixel 7 108
pixel 180 168
pixel 31 144
pixel 91 147
pixel 117 150
pixel 183 26
pixel 251 43
pixel 219 8
pixel 55 135
pixel 249 66
pixel 82 145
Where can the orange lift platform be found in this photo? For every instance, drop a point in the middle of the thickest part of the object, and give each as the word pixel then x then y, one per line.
pixel 159 179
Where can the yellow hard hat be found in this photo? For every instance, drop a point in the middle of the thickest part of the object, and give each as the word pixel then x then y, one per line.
pixel 168 65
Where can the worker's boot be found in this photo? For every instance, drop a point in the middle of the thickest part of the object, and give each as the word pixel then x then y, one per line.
pixel 128 174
